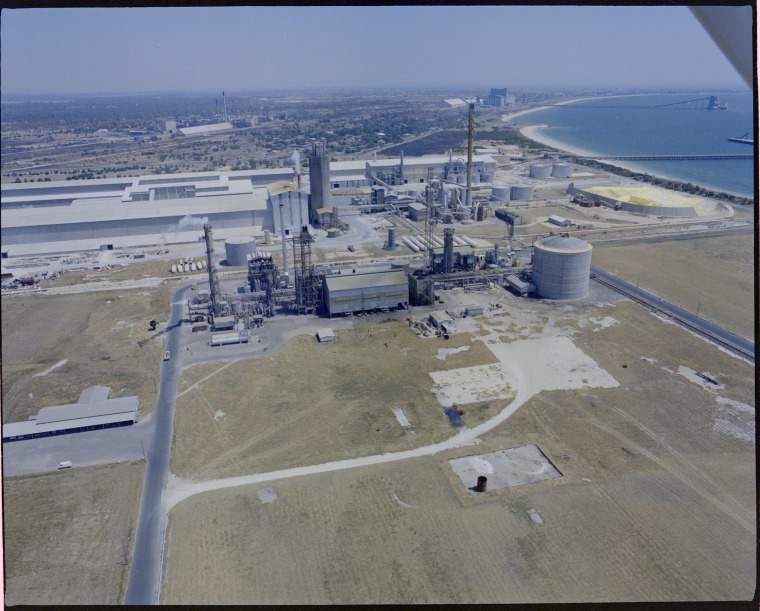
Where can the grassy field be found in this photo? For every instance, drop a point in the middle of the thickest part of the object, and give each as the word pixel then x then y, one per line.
pixel 715 274
pixel 102 336
pixel 313 402
pixel 64 533
pixel 656 501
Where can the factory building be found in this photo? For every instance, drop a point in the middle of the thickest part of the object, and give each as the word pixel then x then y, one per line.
pixel 204 130
pixel 93 411
pixel 351 293
pixel 62 216
pixel 561 267
pixel 287 206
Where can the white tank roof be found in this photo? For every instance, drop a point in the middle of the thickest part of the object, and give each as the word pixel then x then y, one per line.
pixel 563 243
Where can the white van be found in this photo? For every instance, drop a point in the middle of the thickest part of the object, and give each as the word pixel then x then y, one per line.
pixel 66 464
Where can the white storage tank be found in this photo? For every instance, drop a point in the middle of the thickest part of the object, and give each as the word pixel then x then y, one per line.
pixel 540 170
pixel 561 267
pixel 517 192
pixel 500 191
pixel 238 249
pixel 562 169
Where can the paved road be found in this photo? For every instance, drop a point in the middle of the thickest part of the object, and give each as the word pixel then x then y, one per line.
pixel 82 449
pixel 145 569
pixel 705 326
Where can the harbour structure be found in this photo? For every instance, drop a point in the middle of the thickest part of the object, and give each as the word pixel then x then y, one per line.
pixel 561 267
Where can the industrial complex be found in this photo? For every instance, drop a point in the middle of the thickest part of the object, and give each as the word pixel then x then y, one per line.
pixel 416 302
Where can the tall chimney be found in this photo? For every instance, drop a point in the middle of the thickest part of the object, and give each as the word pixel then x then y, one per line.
pixel 470 138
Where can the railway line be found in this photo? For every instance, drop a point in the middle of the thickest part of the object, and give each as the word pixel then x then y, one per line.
pixel 692 322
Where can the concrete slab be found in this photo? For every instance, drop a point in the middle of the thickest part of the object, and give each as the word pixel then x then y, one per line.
pixel 505 468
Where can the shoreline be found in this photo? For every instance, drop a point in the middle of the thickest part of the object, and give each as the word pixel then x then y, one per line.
pixel 532 132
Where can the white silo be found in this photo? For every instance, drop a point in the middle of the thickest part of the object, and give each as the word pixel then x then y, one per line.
pixel 540 170
pixel 561 267
pixel 238 249
pixel 500 191
pixel 562 169
pixel 518 192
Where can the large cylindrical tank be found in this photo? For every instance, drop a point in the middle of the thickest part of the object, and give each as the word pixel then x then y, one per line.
pixel 486 177
pixel 480 212
pixel 540 170
pixel 561 267
pixel 391 238
pixel 238 249
pixel 517 192
pixel 500 191
pixel 562 169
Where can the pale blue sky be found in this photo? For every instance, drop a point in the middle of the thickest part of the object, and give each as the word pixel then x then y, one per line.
pixel 71 50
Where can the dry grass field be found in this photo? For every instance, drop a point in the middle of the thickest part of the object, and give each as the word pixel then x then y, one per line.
pixel 716 274
pixel 656 502
pixel 64 533
pixel 311 402
pixel 102 336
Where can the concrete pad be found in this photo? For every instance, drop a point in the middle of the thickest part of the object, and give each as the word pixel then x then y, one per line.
pixel 505 468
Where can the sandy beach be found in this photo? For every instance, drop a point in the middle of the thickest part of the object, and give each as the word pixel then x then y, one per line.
pixel 534 132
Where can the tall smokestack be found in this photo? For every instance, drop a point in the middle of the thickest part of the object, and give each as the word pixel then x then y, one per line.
pixel 284 244
pixel 212 282
pixel 470 138
pixel 224 99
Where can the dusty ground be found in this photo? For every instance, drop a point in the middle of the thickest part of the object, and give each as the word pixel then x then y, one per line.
pixel 315 402
pixel 656 501
pixel 64 534
pixel 102 336
pixel 691 274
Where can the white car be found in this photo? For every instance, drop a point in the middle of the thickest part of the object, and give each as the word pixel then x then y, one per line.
pixel 167 355
pixel 66 464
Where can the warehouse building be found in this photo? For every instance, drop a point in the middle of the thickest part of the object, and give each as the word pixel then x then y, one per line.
pixel 352 293
pixel 93 411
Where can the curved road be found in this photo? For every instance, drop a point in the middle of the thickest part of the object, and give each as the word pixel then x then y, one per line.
pixel 145 570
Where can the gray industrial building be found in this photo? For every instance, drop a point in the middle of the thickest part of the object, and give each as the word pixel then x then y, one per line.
pixel 319 179
pixel 350 293
pixel 63 216
pixel 93 411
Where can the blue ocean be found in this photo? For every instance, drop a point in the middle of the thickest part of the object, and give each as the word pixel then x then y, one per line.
pixel 631 125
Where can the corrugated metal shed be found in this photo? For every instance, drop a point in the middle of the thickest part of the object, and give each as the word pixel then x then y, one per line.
pixel 62 419
pixel 350 293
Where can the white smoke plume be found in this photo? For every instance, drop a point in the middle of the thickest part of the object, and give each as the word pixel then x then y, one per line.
pixel 186 221
pixel 297 161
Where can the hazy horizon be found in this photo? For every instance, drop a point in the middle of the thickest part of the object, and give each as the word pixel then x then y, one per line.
pixel 102 51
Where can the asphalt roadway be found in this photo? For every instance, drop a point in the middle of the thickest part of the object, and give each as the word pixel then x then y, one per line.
pixel 705 326
pixel 145 570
